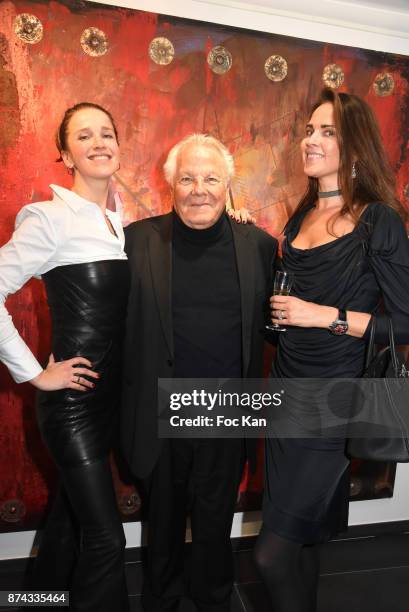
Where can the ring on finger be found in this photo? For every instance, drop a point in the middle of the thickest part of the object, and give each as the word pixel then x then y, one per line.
pixel 78 378
pixel 281 314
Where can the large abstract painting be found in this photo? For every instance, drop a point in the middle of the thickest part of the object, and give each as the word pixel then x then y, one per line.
pixel 162 78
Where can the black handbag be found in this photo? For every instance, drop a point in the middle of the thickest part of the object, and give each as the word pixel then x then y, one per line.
pixel 388 364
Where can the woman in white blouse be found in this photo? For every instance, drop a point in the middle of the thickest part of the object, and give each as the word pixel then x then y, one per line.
pixel 77 246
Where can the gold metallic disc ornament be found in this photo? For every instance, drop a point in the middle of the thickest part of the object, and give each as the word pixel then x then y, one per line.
pixel 161 51
pixel 94 42
pixel 129 504
pixel 333 76
pixel 12 511
pixel 276 68
pixel 219 59
pixel 383 84
pixel 28 28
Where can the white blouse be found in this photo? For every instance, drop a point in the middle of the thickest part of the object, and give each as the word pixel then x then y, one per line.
pixel 65 230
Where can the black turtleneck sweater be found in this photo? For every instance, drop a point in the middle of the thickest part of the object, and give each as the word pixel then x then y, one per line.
pixel 205 302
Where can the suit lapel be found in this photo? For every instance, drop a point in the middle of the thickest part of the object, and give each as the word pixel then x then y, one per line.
pixel 245 258
pixel 160 256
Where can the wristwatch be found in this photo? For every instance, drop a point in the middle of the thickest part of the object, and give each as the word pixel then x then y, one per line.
pixel 339 327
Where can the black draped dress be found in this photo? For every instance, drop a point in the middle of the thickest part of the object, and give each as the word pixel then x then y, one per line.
pixel 88 305
pixel 307 484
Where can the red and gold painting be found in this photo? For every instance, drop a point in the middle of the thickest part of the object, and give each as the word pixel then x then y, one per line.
pixel 162 78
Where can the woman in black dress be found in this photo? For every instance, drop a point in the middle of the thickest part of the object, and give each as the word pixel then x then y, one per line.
pixel 347 247
pixel 77 246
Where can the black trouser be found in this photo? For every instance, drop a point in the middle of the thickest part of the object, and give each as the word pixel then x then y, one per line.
pixel 83 542
pixel 200 477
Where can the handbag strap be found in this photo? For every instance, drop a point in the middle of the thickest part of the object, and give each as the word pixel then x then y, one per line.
pixel 370 351
pixel 392 346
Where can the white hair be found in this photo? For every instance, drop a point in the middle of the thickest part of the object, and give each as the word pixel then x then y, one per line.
pixel 203 140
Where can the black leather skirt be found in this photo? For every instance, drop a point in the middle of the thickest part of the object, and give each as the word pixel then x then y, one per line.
pixel 88 307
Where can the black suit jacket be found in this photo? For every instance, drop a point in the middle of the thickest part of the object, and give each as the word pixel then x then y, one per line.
pixel 148 351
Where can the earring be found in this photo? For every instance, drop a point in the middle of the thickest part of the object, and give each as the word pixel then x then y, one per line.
pixel 353 171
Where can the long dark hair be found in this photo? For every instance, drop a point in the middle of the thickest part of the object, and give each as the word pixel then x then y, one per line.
pixel 359 140
pixel 62 132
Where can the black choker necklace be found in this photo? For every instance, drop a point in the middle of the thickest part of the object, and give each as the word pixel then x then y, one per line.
pixel 329 194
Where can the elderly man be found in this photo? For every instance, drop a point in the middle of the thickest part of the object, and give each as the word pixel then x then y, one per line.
pixel 196 310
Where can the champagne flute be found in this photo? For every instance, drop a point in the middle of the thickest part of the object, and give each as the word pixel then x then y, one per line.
pixel 283 282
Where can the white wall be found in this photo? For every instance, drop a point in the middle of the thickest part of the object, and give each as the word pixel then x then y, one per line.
pixel 371 24
pixel 382 25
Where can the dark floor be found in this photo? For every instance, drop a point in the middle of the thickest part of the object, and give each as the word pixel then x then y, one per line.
pixel 367 570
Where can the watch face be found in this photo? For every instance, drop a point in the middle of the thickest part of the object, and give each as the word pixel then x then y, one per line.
pixel 339 327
